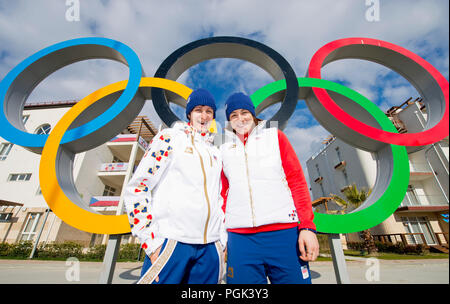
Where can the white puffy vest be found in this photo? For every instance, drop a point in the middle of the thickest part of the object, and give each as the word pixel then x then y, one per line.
pixel 258 192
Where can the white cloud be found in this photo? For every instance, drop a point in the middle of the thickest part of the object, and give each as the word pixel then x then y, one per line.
pixel 295 29
pixel 394 96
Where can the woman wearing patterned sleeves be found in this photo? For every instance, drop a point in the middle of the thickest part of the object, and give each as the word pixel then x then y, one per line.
pixel 172 200
pixel 268 216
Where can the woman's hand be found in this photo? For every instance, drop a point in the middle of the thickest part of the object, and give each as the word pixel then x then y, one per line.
pixel 308 245
pixel 153 257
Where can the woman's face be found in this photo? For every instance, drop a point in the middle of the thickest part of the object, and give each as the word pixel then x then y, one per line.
pixel 201 117
pixel 242 121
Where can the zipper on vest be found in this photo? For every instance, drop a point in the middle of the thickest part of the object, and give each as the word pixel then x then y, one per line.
pixel 206 191
pixel 249 188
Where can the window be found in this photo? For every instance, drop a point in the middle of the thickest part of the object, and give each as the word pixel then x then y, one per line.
pixel 338 152
pixel 5 217
pixel 5 148
pixel 25 119
pixel 411 198
pixel 15 177
pixel 43 129
pixel 419 225
pixel 109 191
pixel 30 229
pixel 317 169
pixel 344 172
pixel 321 189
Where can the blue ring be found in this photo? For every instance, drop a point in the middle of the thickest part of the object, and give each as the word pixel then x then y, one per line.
pixel 16 136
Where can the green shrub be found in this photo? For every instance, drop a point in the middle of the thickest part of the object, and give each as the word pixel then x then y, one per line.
pixel 60 250
pixel 16 250
pixel 129 252
pixel 419 249
pixel 398 248
pixel 96 253
pixel 4 248
pixel 355 245
pixel 390 247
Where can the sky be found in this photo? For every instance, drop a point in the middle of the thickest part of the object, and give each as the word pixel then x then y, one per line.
pixel 294 28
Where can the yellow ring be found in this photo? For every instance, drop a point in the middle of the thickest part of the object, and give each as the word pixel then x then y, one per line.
pixel 58 202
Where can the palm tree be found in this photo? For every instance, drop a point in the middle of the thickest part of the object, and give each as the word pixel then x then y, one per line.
pixel 354 199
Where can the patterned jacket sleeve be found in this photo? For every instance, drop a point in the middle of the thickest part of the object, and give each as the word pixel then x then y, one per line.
pixel 137 196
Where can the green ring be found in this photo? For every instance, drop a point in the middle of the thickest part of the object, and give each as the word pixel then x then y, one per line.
pixel 391 199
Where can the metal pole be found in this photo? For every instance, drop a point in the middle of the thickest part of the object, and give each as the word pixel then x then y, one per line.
pixel 109 260
pixel 139 254
pixel 112 248
pixel 39 235
pixel 337 253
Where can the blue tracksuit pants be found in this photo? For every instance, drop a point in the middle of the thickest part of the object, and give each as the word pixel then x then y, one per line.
pixel 252 258
pixel 181 263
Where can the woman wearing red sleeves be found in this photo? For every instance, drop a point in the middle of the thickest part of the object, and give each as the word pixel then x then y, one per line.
pixel 268 212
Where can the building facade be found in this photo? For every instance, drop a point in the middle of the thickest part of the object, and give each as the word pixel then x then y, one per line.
pixel 421 217
pixel 99 176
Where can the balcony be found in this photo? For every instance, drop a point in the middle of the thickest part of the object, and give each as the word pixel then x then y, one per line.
pixel 319 179
pixel 399 124
pixel 130 138
pixel 340 165
pixel 113 173
pixel 113 167
pixel 419 171
pixel 122 144
pixel 423 203
pixel 106 204
pixel 104 201
pixel 423 200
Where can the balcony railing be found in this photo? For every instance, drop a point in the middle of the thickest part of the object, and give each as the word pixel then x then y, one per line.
pixel 419 167
pixel 104 201
pixel 423 200
pixel 113 167
pixel 130 138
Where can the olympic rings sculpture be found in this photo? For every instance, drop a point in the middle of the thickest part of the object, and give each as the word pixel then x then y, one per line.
pixel 104 113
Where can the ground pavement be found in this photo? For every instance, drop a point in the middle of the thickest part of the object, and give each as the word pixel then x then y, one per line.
pixel 361 271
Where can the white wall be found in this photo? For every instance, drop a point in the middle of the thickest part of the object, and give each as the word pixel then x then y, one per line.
pixel 21 160
pixel 86 180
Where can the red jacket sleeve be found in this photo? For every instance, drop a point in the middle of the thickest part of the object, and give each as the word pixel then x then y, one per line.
pixel 224 190
pixel 296 182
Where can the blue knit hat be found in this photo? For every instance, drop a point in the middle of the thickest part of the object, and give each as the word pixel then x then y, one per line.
pixel 239 101
pixel 200 97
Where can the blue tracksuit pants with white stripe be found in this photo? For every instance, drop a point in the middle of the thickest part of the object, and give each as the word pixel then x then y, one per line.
pixel 181 263
pixel 254 257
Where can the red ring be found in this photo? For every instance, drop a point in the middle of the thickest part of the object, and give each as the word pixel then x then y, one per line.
pixel 432 135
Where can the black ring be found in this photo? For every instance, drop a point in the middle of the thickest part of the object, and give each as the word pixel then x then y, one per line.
pixel 226 47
